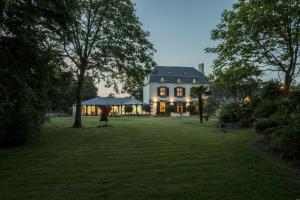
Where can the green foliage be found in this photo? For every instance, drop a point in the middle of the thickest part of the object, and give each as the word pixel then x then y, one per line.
pixel 146 108
pixel 265 109
pixel 246 116
pixel 28 56
pixel 136 92
pixel 238 80
pixel 281 130
pixel 62 93
pixel 230 113
pixel 270 90
pixel 191 108
pixel 262 34
pixel 170 108
pixel 211 106
pixel 264 124
pixel 90 160
pixel 106 38
pixel 128 108
pixel 198 92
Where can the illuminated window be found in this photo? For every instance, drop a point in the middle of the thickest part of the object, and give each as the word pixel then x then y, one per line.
pixel 194 80
pixel 162 79
pixel 162 106
pixel 179 92
pixel 179 80
pixel 162 91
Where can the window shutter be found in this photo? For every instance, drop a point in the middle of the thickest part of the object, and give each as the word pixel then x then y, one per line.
pixel 175 92
pixel 158 94
pixel 183 92
pixel 167 91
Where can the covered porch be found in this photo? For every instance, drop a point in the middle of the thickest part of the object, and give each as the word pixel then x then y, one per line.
pixel 91 107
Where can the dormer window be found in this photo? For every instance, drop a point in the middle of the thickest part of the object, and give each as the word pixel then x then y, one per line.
pixel 194 80
pixel 179 80
pixel 162 79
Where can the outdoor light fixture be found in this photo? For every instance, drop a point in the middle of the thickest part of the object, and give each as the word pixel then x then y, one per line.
pixel 280 88
pixel 247 100
pixel 187 99
pixel 154 99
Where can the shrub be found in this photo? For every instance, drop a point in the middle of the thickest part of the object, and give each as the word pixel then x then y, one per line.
pixel 170 108
pixel 264 124
pixel 191 108
pixel 270 90
pixel 265 109
pixel 246 115
pixel 231 113
pixel 294 97
pixel 128 108
pixel 287 143
pixel 146 108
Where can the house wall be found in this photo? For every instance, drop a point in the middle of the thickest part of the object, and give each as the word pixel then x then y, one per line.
pixel 151 97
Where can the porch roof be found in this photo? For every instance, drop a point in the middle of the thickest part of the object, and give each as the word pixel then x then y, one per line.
pixel 111 101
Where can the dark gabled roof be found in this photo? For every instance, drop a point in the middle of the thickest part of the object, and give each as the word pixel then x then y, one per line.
pixel 172 73
pixel 111 101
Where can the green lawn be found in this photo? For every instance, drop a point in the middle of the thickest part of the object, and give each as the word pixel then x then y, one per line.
pixel 143 158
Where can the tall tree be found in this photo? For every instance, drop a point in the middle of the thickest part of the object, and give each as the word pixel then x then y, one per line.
pixel 199 92
pixel 62 93
pixel 106 38
pixel 261 33
pixel 237 81
pixel 136 92
pixel 27 56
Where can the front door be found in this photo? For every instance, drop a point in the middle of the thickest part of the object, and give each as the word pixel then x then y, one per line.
pixel 179 108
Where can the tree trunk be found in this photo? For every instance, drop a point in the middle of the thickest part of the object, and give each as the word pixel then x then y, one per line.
pixel 77 122
pixel 287 82
pixel 200 108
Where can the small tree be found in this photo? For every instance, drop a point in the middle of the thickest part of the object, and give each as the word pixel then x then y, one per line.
pixel 104 114
pixel 147 108
pixel 170 108
pixel 211 105
pixel 191 108
pixel 128 108
pixel 198 92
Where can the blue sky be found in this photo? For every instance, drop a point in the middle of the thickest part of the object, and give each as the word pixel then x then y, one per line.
pixel 180 30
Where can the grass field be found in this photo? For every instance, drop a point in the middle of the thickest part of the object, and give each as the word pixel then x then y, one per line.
pixel 143 158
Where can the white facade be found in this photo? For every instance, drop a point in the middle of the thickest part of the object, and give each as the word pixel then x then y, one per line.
pixel 151 95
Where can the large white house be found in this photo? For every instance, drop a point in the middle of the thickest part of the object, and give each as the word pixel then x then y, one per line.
pixel 171 85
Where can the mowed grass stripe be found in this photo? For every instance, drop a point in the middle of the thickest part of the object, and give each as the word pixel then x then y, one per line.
pixel 143 158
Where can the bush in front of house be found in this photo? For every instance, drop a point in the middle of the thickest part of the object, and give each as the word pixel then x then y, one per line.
pixel 146 108
pixel 192 109
pixel 128 108
pixel 230 113
pixel 170 108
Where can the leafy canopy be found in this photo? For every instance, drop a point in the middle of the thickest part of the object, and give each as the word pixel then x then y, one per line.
pixel 260 33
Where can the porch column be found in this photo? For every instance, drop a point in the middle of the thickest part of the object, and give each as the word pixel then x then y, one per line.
pixel 136 109
pixel 86 110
